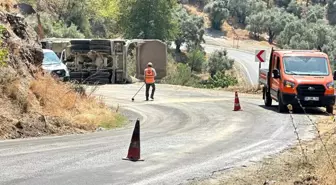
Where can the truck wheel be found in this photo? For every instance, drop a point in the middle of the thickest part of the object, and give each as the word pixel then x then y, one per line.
pixel 80 50
pixel 80 47
pixel 267 99
pixel 330 109
pixel 94 47
pixel 101 42
pixel 78 76
pixel 281 107
pixel 80 41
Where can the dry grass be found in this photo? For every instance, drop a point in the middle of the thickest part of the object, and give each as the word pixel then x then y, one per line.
pixel 231 32
pixel 195 11
pixel 61 100
pixel 7 5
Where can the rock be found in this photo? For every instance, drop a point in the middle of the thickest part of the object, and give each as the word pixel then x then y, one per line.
pixel 99 129
pixel 19 125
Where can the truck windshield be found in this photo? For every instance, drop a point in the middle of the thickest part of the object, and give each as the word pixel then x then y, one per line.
pixel 50 58
pixel 302 65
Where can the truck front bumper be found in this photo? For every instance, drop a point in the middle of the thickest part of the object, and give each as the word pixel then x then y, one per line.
pixel 321 102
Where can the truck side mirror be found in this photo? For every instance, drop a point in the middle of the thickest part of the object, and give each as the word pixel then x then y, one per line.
pixel 63 56
pixel 276 73
pixel 335 75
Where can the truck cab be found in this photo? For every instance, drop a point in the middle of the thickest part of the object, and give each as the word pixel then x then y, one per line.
pixel 53 65
pixel 302 78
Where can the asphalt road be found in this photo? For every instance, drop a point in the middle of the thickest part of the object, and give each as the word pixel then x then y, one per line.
pixel 186 134
pixel 245 59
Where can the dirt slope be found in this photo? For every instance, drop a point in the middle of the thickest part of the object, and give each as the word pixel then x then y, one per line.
pixel 33 103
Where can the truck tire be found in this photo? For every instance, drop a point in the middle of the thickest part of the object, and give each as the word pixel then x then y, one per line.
pixel 78 76
pixel 94 47
pixel 80 46
pixel 330 109
pixel 80 50
pixel 281 107
pixel 80 42
pixel 98 80
pixel 100 77
pixel 100 42
pixel 267 98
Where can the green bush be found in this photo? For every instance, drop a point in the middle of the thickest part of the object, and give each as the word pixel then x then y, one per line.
pixel 181 76
pixel 3 51
pixel 55 28
pixel 196 60
pixel 220 80
pixel 219 62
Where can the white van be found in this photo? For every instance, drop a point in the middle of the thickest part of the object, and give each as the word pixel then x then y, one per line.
pixel 54 65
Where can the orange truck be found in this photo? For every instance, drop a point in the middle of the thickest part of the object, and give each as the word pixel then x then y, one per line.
pixel 302 78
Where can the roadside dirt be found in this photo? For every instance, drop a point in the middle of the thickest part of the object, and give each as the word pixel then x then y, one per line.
pixel 290 167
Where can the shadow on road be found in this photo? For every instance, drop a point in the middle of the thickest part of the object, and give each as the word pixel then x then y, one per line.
pixel 215 33
pixel 297 110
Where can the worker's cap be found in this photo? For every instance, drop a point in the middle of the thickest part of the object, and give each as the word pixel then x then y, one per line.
pixel 149 64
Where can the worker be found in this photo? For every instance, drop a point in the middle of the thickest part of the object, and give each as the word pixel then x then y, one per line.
pixel 150 75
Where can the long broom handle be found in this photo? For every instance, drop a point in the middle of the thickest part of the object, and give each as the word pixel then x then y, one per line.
pixel 139 90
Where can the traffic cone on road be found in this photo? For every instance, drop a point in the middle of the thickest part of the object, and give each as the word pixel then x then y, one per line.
pixel 236 103
pixel 134 148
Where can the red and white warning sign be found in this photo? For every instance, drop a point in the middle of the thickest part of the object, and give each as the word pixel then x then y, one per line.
pixel 260 56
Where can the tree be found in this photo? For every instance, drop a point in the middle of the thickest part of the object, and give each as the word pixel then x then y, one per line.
pixel 304 35
pixel 103 19
pixel 105 8
pixel 323 2
pixel 76 12
pixel 282 3
pixel 294 8
pixel 191 30
pixel 218 12
pixel 147 19
pixel 219 62
pixel 315 13
pixel 275 21
pixel 331 12
pixel 257 6
pixel 293 28
pixel 255 24
pixel 240 9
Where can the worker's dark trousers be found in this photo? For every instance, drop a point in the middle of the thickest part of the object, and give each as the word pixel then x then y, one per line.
pixel 147 90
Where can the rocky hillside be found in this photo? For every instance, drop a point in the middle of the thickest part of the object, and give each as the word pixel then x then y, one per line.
pixel 32 102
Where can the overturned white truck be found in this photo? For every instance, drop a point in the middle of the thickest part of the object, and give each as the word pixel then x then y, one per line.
pixel 104 61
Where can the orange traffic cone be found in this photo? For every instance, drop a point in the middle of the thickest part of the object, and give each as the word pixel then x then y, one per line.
pixel 236 103
pixel 134 148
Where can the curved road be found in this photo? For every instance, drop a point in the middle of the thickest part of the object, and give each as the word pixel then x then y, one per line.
pixel 186 134
pixel 244 58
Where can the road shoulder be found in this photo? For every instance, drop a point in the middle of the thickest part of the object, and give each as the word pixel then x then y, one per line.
pixel 290 166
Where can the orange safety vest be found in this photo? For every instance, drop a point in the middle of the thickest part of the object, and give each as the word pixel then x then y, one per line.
pixel 149 75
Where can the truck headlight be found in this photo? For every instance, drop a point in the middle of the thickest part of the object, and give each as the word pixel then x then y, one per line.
pixel 289 84
pixel 330 85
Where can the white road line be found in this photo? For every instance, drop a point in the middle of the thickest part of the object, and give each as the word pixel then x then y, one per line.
pixel 247 72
